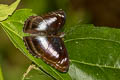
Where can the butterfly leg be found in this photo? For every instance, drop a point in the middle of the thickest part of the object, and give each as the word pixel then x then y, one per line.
pixel 61 35
pixel 32 66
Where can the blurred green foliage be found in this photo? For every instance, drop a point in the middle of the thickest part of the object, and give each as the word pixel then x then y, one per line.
pixel 1 76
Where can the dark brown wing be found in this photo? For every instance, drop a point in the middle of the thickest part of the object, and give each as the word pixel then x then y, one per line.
pixel 50 49
pixel 50 23
pixel 55 21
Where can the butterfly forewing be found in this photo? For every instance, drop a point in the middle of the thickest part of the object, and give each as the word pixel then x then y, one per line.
pixel 50 23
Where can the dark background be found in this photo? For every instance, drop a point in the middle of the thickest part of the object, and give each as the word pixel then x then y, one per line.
pixel 97 12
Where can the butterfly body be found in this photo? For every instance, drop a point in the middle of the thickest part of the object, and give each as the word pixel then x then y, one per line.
pixel 44 41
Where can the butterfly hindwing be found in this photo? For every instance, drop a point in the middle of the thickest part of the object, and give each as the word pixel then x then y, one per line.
pixel 50 49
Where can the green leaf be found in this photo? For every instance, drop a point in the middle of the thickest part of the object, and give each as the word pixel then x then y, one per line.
pixel 93 51
pixel 1 76
pixel 13 26
pixel 6 10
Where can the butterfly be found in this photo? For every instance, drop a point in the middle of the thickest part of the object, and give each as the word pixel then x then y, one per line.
pixel 45 39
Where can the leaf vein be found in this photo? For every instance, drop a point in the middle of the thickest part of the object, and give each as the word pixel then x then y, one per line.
pixel 96 65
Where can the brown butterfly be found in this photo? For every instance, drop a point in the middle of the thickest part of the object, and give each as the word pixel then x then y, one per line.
pixel 45 41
